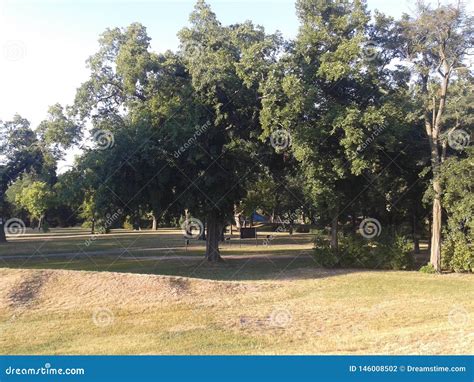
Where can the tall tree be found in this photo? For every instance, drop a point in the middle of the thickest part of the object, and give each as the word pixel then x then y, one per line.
pixel 437 42
pixel 20 152
pixel 218 60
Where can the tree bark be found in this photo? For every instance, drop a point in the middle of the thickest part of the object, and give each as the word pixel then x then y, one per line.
pixel 3 237
pixel 334 244
pixel 154 225
pixel 435 248
pixel 416 239
pixel 93 227
pixel 214 230
pixel 433 127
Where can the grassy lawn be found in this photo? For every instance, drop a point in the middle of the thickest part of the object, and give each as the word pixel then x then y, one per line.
pixel 261 300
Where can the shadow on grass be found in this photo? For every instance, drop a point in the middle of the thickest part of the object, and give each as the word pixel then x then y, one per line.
pixel 274 265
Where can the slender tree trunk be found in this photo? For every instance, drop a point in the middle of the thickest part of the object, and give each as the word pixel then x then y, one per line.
pixel 214 230
pixel 334 244
pixel 154 225
pixel 93 227
pixel 433 127
pixel 354 223
pixel 40 223
pixel 416 239
pixel 435 248
pixel 222 238
pixel 3 237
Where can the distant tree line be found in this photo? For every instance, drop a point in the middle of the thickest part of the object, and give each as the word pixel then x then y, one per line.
pixel 359 117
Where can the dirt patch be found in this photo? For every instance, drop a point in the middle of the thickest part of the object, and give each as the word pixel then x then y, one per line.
pixel 25 293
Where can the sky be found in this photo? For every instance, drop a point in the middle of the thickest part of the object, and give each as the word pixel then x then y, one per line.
pixel 45 43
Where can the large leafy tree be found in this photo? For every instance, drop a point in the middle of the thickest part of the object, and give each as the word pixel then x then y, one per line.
pixel 324 93
pixel 225 86
pixel 156 103
pixel 20 152
pixel 436 41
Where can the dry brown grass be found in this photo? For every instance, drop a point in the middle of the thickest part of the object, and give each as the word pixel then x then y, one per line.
pixel 310 311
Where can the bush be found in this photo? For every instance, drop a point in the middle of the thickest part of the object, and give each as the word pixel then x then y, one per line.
pixel 457 255
pixel 356 252
pixel 404 258
pixel 387 252
pixel 323 255
pixel 428 268
pixel 45 226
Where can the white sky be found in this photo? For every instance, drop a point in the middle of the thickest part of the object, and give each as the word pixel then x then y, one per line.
pixel 44 43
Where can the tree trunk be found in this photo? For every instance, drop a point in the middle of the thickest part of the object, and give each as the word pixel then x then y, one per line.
pixel 334 244
pixel 154 225
pixel 416 245
pixel 214 230
pixel 40 223
pixel 3 237
pixel 416 239
pixel 93 227
pixel 435 248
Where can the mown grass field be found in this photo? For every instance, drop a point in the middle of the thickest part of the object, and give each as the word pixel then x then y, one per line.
pixel 261 300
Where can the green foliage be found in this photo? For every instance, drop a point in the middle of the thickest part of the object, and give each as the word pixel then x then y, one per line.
pixel 458 200
pixel 388 252
pixel 323 255
pixel 428 268
pixel 36 199
pixel 457 253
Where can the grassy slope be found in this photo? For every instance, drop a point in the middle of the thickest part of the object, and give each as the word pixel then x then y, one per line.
pixel 310 311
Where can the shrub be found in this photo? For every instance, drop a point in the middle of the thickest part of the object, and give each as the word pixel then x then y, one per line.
pixel 428 268
pixel 45 226
pixel 457 254
pixel 356 252
pixel 388 252
pixel 401 254
pixel 323 255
